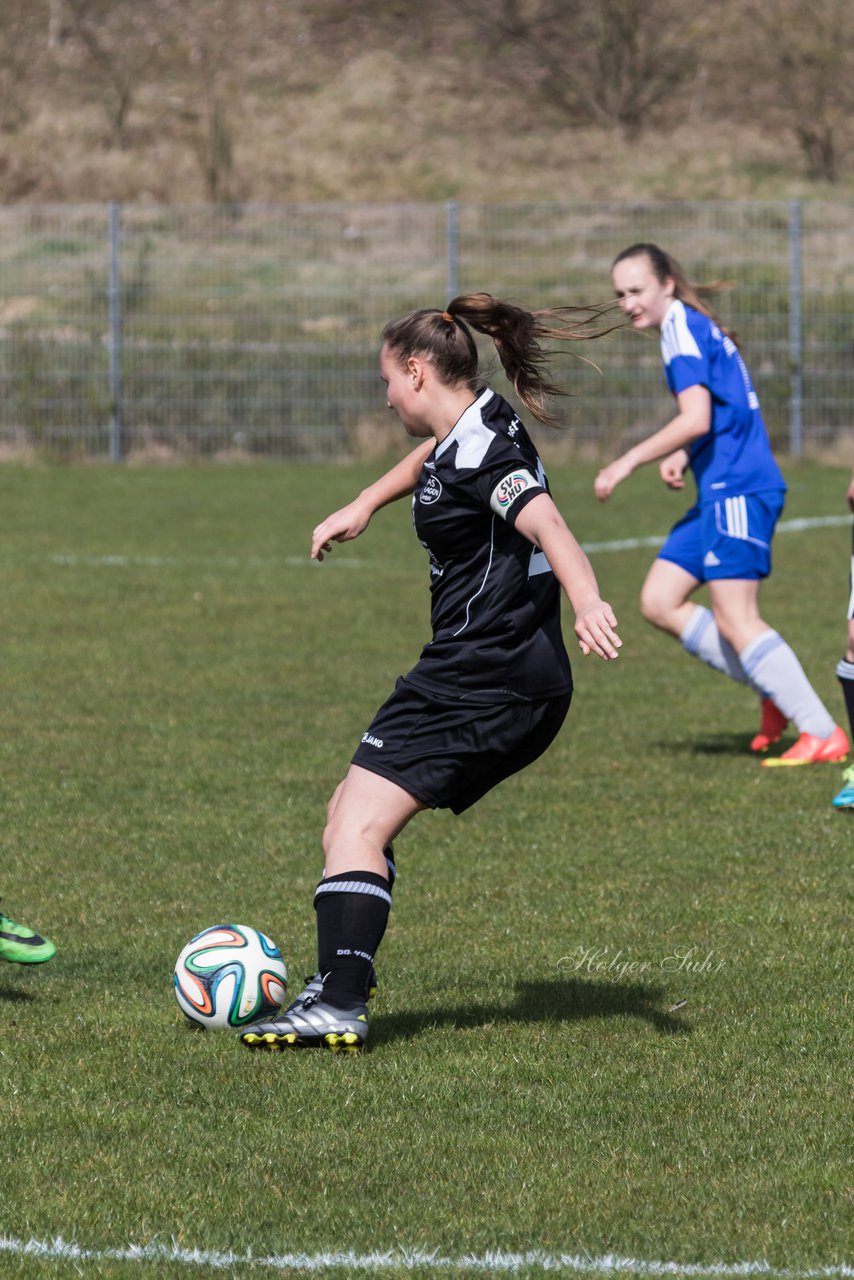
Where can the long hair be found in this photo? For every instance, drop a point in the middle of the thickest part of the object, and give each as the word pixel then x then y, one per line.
pixel 445 338
pixel 665 266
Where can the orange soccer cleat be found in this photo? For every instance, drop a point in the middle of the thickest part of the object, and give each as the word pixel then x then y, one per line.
pixel 812 750
pixel 771 728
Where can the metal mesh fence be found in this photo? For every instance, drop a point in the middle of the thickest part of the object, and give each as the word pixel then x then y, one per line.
pixel 254 329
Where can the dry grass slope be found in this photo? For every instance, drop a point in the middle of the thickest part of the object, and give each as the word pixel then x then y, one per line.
pixel 363 122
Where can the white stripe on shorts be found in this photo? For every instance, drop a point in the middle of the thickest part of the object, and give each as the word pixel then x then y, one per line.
pixel 736 524
pixel 736 517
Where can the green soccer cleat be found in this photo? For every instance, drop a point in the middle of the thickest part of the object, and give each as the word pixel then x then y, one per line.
pixel 844 799
pixel 20 945
pixel 311 1023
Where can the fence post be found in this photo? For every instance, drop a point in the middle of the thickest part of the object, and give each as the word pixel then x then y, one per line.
pixel 796 337
pixel 452 236
pixel 114 296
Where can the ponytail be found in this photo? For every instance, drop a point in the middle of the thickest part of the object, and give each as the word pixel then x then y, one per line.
pixel 445 338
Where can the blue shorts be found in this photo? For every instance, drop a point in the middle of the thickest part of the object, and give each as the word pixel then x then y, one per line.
pixel 727 538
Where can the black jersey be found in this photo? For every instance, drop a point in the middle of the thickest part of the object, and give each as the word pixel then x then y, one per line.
pixel 495 602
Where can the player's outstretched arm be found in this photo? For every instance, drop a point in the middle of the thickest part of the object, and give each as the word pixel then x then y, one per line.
pixel 350 521
pixel 595 624
pixel 692 421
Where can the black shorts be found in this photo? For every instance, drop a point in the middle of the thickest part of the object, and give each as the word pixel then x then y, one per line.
pixel 448 752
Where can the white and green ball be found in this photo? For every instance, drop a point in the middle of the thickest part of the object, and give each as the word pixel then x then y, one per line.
pixel 230 975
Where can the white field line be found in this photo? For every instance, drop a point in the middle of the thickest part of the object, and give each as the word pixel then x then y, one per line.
pixel 170 562
pixel 785 526
pixel 402 1261
pixel 346 561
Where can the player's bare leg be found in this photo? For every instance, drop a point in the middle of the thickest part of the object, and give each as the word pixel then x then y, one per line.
pixel 352 902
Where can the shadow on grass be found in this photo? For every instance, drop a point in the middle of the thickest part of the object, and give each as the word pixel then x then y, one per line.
pixel 717 744
pixel 541 1002
pixel 14 995
pixel 725 744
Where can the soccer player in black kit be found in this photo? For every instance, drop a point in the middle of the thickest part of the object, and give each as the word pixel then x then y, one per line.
pixel 493 685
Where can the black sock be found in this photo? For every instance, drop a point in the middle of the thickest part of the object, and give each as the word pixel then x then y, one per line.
pixel 845 671
pixel 388 854
pixel 352 913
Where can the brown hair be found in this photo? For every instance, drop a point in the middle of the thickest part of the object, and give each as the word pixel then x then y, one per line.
pixel 665 266
pixel 445 338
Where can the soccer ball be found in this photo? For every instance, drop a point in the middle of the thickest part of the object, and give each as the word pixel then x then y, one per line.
pixel 230 975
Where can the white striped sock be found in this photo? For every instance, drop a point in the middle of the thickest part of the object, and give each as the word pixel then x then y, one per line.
pixel 774 666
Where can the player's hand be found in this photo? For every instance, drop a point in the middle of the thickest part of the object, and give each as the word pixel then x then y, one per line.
pixel 672 469
pixel 595 627
pixel 851 494
pixel 341 526
pixel 609 477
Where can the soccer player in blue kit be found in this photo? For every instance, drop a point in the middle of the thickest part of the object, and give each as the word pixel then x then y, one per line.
pixel 724 540
pixel 493 685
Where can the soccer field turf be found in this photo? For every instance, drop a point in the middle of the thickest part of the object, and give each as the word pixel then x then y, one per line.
pixel 181 691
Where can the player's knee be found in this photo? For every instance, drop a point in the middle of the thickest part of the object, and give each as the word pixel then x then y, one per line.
pixel 348 823
pixel 333 802
pixel 336 837
pixel 652 606
pixel 737 626
pixel 728 630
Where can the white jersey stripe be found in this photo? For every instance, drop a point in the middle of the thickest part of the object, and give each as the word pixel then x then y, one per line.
pixel 471 433
pixel 676 338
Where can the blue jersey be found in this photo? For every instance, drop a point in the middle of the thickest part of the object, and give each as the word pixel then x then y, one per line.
pixel 735 455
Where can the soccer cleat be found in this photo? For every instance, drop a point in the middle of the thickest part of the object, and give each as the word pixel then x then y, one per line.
pixel 20 945
pixel 771 727
pixel 845 798
pixel 314 987
pixel 311 1023
pixel 812 750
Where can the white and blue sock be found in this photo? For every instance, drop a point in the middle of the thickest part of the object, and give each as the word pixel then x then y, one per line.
pixel 771 665
pixel 702 640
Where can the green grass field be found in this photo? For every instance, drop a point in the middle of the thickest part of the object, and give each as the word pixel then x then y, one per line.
pixel 181 691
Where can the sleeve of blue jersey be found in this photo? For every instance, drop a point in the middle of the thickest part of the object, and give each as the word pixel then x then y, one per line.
pixel 686 352
pixel 686 371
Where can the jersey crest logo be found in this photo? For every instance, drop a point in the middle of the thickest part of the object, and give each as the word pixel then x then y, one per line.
pixel 431 492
